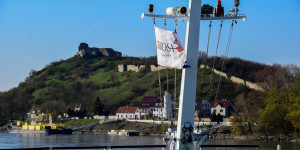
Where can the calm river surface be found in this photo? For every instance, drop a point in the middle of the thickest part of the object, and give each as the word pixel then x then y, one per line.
pixel 39 140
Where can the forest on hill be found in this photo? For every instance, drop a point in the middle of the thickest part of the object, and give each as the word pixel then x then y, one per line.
pixel 100 89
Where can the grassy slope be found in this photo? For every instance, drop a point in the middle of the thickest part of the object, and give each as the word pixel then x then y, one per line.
pixel 78 122
pixel 52 82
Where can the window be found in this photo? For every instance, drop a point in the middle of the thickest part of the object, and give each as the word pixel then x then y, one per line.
pixel 221 110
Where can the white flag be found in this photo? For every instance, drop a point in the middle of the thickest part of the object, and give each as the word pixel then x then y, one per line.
pixel 169 48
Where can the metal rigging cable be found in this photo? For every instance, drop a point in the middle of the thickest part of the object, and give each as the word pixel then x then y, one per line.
pixel 159 83
pixel 205 62
pixel 225 57
pixel 212 70
pixel 175 68
pixel 175 77
pixel 165 24
pixel 209 31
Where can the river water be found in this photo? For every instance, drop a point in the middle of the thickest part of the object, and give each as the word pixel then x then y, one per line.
pixel 41 140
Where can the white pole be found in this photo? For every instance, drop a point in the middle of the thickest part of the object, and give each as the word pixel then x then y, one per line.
pixel 189 78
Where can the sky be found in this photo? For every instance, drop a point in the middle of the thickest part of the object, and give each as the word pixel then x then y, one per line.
pixel 34 33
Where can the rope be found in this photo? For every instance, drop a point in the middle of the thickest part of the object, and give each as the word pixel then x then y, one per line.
pixel 159 83
pixel 212 71
pixel 167 79
pixel 176 25
pixel 205 62
pixel 165 25
pixel 175 92
pixel 225 58
pixel 175 78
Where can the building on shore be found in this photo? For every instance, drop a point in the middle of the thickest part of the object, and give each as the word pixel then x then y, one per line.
pixel 202 108
pixel 223 107
pixel 156 107
pixel 128 113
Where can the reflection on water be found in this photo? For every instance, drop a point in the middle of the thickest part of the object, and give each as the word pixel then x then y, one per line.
pixel 263 144
pixel 42 140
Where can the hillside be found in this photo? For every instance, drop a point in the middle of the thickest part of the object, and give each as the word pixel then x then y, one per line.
pixel 94 82
pixel 91 79
pixel 63 84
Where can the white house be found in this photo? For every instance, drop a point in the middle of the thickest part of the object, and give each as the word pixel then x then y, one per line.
pixel 128 113
pixel 153 106
pixel 223 107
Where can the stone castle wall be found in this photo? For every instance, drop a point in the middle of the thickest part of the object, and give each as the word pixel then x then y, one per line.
pixel 237 80
pixel 136 68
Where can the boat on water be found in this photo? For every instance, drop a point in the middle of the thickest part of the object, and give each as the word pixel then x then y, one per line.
pixel 38 128
pixel 124 132
pixel 59 131
pixel 18 130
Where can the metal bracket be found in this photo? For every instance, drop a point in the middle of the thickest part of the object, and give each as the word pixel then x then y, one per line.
pixel 226 17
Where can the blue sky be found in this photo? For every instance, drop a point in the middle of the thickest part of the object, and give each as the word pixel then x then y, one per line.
pixel 34 33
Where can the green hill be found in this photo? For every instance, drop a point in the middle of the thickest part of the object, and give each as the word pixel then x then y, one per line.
pixel 61 85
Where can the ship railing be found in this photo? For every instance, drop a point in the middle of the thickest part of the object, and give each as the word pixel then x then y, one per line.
pixel 204 146
pixel 163 147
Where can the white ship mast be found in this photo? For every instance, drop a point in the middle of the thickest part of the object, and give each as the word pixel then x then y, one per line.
pixel 185 124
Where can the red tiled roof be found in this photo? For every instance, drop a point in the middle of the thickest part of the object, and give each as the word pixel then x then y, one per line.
pixel 223 103
pixel 127 109
pixel 150 101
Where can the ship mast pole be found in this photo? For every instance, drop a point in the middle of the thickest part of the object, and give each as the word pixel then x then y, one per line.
pixel 189 79
pixel 185 123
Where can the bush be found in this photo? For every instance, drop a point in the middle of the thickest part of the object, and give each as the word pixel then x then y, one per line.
pixel 138 91
pixel 109 67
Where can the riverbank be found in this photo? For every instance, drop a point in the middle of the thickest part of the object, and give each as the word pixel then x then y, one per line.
pixel 144 128
pixel 104 128
pixel 150 129
pixel 254 137
pixel 154 129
